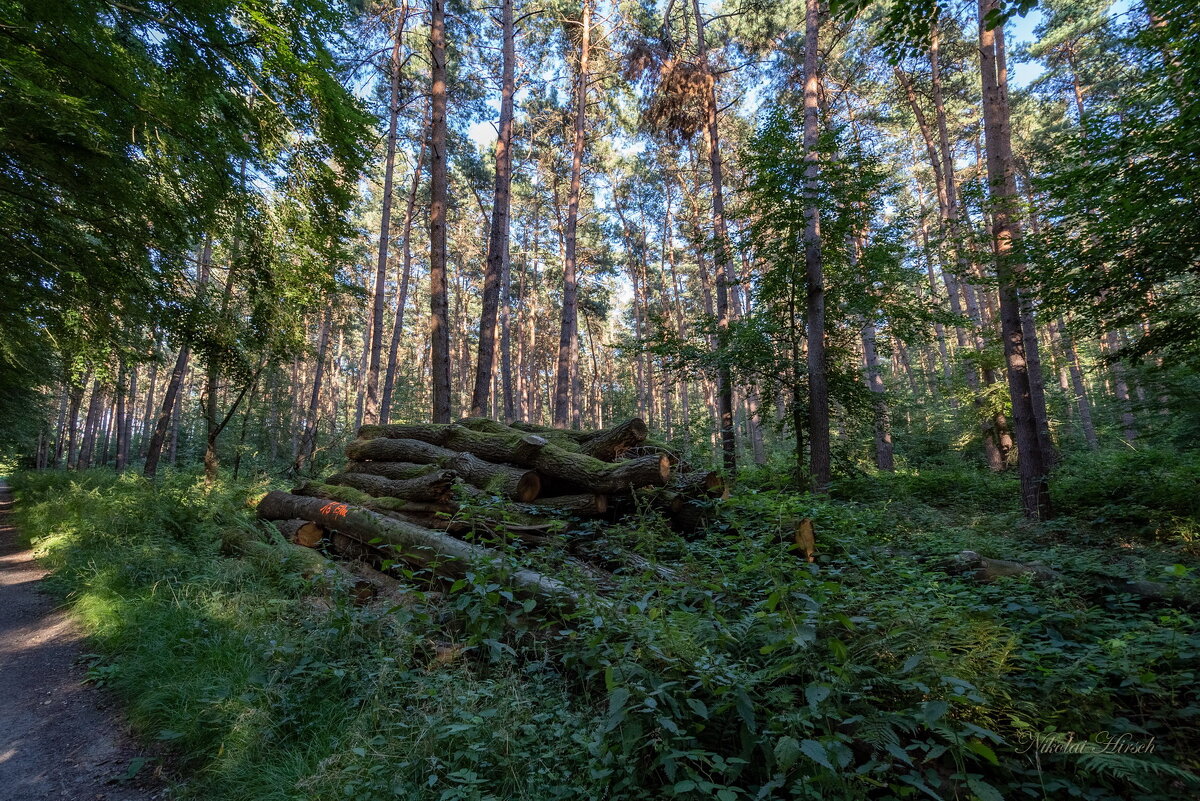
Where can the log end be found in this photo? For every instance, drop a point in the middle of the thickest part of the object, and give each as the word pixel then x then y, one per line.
pixel 664 467
pixel 529 487
pixel 309 535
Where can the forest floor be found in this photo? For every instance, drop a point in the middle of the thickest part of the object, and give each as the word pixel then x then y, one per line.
pixel 880 670
pixel 58 737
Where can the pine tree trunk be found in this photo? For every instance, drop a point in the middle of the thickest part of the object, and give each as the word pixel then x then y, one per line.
pixel 439 329
pixel 87 449
pixel 148 414
pixel 389 380
pixel 818 386
pixel 722 260
pixel 883 427
pixel 497 254
pixel 1006 235
pixel 568 353
pixel 308 440
pixel 61 427
pixel 168 418
pixel 373 411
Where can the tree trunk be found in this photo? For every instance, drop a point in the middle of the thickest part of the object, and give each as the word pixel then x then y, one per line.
pixel 497 254
pixel 91 422
pixel 148 417
pixel 439 328
pixel 308 441
pixel 722 257
pixel 818 386
pixel 440 552
pixel 389 380
pixel 373 410
pixel 568 353
pixel 171 401
pixel 1006 235
pixel 883 427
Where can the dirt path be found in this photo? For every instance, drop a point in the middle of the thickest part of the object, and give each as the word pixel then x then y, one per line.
pixel 58 739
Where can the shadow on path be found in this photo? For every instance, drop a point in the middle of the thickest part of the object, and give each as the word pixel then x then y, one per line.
pixel 57 738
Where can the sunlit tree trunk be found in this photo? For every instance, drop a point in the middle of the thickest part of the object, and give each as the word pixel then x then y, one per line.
pixel 1006 235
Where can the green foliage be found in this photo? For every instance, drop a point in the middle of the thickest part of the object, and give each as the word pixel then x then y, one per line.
pixel 868 674
pixel 132 130
pixel 1124 187
pixel 1133 495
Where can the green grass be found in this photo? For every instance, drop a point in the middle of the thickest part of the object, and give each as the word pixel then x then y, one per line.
pixel 870 674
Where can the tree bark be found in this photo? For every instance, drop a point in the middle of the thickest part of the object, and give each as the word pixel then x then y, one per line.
pixel 389 380
pixel 439 328
pixel 309 438
pixel 722 257
pixel 1006 235
pixel 568 338
pixel 434 487
pixel 443 554
pixel 818 386
pixel 497 255
pixel 373 409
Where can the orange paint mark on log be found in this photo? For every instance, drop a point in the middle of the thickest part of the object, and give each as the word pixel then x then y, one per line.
pixel 335 509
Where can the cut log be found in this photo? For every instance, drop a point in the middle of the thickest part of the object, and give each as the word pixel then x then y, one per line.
pixel 396 471
pixel 288 528
pixel 586 472
pixel 569 433
pixel 440 552
pixel 309 535
pixel 396 449
pixel 301 532
pixel 585 504
pixel 609 443
pixel 436 487
pixel 330 492
pixel 523 485
pixel 441 516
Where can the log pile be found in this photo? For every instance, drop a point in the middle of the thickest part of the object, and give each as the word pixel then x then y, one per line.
pixel 415 491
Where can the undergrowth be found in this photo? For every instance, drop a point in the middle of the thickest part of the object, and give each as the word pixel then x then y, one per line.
pixel 870 673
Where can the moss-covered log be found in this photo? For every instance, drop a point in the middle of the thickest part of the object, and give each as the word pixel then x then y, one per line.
pixel 586 472
pixel 396 449
pixel 521 484
pixel 440 552
pixel 436 487
pixel 610 443
pixel 396 471
pixel 330 492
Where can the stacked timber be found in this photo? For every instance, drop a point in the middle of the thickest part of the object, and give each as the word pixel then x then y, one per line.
pixel 415 491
